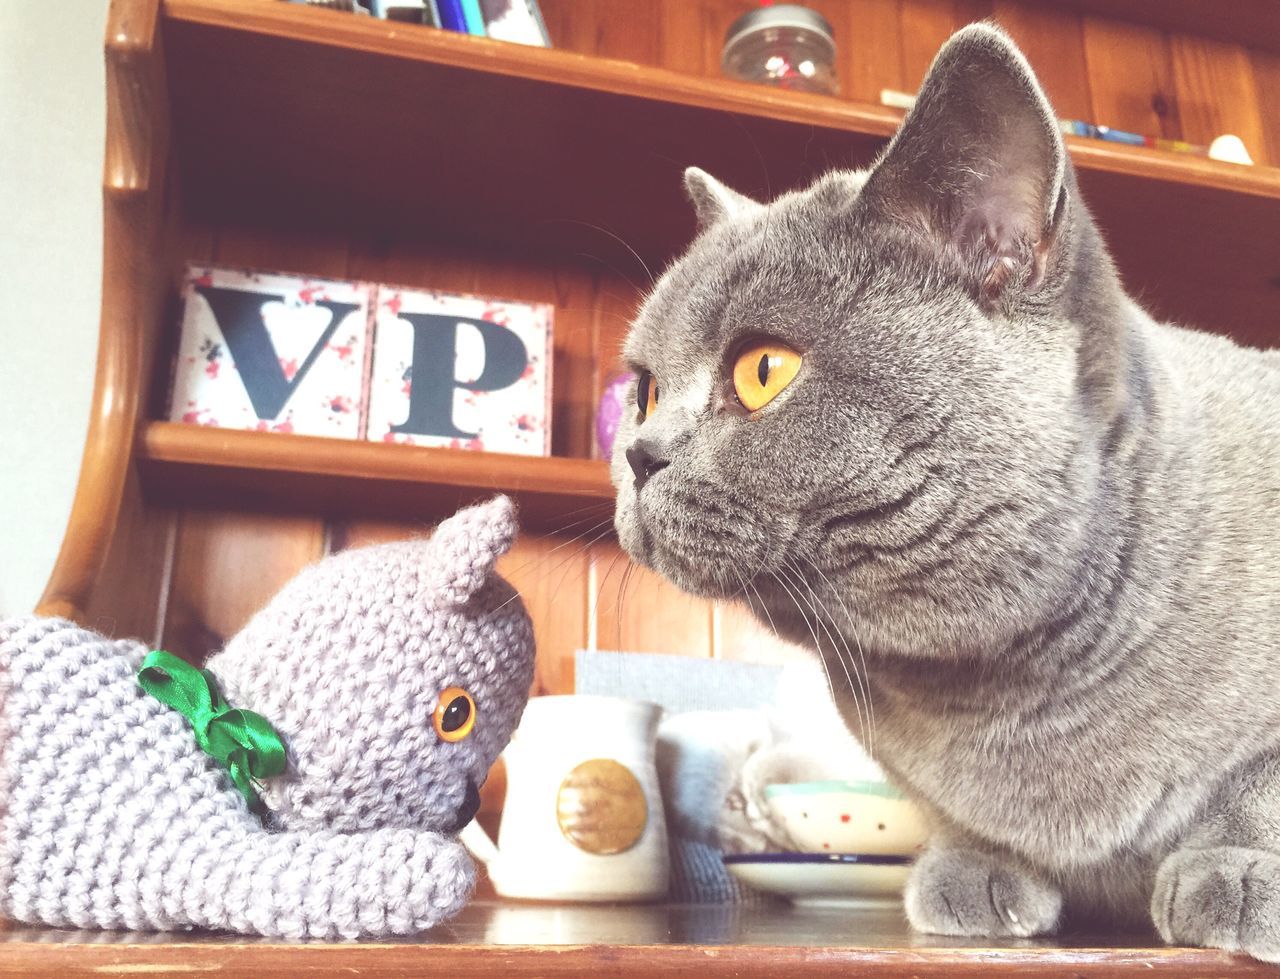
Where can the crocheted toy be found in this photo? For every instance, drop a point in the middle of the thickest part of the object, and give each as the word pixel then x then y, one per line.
pixel 392 675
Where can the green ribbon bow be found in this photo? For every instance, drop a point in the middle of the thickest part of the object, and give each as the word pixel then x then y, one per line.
pixel 244 743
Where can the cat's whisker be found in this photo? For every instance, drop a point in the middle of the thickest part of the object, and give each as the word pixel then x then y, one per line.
pixel 764 171
pixel 755 147
pixel 555 592
pixel 594 610
pixel 605 231
pixel 817 643
pixel 838 642
pixel 532 561
pixel 590 530
pixel 627 575
pixel 577 552
pixel 853 628
pixel 583 551
pixel 615 355
pixel 864 682
pixel 764 605
pixel 598 507
pixel 797 579
pixel 612 268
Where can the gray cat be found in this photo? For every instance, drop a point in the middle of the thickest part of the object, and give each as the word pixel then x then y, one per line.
pixel 910 416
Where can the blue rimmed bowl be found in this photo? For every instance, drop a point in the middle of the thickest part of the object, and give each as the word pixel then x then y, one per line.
pixel 848 817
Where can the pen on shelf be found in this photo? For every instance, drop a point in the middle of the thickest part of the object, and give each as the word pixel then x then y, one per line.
pixel 1075 127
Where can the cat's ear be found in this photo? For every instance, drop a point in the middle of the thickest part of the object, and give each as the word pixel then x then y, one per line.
pixel 712 200
pixel 465 548
pixel 979 164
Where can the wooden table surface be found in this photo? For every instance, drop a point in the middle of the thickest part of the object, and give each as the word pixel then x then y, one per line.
pixel 503 939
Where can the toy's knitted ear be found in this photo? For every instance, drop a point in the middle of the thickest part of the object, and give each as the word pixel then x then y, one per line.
pixel 466 547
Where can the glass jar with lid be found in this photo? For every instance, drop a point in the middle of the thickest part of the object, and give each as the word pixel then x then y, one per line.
pixel 784 45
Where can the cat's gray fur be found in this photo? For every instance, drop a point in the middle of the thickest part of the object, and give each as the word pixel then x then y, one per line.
pixel 1049 525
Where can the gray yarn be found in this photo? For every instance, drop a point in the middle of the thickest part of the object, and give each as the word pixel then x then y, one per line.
pixel 114 817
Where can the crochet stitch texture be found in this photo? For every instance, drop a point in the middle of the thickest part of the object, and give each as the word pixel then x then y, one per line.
pixel 114 818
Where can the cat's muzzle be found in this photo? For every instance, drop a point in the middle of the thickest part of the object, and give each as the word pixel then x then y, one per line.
pixel 467 811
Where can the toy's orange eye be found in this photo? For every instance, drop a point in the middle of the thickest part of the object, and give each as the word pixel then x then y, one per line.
pixel 646 394
pixel 455 714
pixel 761 371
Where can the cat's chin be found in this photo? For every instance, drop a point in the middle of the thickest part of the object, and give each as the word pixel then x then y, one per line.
pixel 708 564
pixel 695 581
pixel 691 576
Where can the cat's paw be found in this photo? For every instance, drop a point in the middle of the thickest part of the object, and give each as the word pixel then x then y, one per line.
pixel 965 892
pixel 1221 897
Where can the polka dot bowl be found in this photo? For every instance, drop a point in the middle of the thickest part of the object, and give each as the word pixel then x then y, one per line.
pixel 847 817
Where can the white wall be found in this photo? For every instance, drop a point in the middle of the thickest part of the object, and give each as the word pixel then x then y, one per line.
pixel 51 138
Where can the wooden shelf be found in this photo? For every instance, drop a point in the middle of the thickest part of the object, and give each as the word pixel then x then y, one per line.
pixel 395 127
pixel 496 939
pixel 267 470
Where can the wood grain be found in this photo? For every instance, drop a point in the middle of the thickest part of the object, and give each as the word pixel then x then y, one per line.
pixel 872 50
pixel 229 564
pixel 127 601
pixel 1053 41
pixel 680 42
pixel 1266 75
pixel 1216 93
pixel 1252 22
pixel 1131 78
pixel 550 573
pixel 926 25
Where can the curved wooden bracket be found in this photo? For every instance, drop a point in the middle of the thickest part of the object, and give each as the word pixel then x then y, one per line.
pixel 132 292
pixel 133 85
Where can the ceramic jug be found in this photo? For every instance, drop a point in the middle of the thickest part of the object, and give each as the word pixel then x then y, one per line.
pixel 583 816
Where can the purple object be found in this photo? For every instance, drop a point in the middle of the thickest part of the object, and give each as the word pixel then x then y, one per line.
pixel 613 402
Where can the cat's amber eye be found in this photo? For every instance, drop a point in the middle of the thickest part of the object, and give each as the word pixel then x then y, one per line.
pixel 762 370
pixel 646 394
pixel 455 714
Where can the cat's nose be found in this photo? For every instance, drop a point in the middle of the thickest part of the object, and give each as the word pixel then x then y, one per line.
pixel 643 462
pixel 467 811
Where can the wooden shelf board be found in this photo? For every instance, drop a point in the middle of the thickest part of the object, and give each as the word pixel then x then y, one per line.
pixel 224 467
pixel 396 129
pixel 497 939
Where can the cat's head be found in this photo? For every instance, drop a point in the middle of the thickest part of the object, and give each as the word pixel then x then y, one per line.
pixel 874 391
pixel 395 675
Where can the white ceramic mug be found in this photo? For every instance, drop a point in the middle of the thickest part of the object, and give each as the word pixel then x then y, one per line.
pixel 583 815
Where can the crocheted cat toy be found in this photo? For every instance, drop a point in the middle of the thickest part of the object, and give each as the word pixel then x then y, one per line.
pixel 383 682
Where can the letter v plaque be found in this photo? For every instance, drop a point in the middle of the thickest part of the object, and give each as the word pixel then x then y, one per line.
pixel 272 353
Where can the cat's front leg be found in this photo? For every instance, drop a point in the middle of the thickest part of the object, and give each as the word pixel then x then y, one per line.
pixel 958 889
pixel 1221 887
